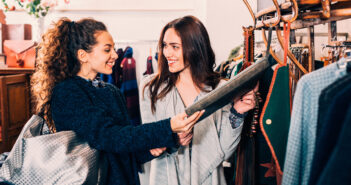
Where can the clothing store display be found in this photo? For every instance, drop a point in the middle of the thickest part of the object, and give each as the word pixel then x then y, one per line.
pixel 334 103
pixel 264 171
pixel 99 116
pixel 220 68
pixel 214 140
pixel 338 168
pixel 149 69
pixel 117 72
pixel 107 78
pixel 156 56
pixel 129 86
pixel 275 118
pixel 326 98
pixel 236 69
pixel 302 132
pixel 41 157
pixel 238 86
pixel 231 68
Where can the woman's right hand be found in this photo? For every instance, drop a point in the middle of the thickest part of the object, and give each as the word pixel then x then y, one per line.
pixel 180 124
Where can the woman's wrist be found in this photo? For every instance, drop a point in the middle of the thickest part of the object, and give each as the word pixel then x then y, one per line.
pixel 237 113
pixel 236 118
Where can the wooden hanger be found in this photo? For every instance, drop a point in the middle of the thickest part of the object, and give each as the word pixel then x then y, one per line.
pixel 290 55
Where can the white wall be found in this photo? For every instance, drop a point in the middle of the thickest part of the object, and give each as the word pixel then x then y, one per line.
pixel 129 25
pixel 140 27
pixel 225 19
pixel 222 18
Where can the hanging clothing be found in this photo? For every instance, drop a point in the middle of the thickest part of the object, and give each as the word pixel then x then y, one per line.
pixel 236 69
pixel 149 69
pixel 275 120
pixel 302 132
pixel 334 102
pixel 106 78
pixel 156 56
pixel 129 87
pixel 117 73
pixel 338 168
pixel 263 154
pixel 221 68
pixel 214 140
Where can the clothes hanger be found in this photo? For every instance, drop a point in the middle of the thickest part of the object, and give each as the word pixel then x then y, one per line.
pixel 270 50
pixel 290 55
pixel 279 36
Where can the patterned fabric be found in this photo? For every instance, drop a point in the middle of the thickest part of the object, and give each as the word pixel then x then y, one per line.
pixel 99 116
pixel 302 132
pixel 236 119
pixel 3 157
pixel 55 159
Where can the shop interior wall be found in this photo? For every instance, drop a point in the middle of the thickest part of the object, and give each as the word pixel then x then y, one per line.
pixel 136 27
pixel 140 28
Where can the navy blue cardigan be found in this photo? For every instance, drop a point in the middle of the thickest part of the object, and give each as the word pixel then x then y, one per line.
pixel 99 116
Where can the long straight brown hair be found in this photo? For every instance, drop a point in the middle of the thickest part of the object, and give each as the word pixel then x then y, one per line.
pixel 197 53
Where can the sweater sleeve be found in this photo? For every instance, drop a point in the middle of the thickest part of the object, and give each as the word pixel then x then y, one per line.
pixel 143 157
pixel 72 109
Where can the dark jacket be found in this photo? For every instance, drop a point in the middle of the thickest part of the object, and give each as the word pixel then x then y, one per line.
pixel 99 116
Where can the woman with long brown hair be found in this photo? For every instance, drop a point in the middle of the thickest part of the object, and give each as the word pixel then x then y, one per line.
pixel 185 74
pixel 68 97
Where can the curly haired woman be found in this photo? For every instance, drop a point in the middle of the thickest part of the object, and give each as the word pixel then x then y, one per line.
pixel 69 58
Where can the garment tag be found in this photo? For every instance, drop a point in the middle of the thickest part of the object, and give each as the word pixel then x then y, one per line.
pixel 129 61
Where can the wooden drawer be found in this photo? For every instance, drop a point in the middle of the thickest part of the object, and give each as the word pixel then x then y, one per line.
pixel 14 107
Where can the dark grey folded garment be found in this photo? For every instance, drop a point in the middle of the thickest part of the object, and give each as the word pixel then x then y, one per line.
pixel 242 83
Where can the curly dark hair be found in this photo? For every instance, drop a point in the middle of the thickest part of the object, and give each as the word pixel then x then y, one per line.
pixel 197 53
pixel 57 59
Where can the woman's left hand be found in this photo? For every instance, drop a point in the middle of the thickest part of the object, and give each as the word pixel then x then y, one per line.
pixel 185 137
pixel 246 102
pixel 157 151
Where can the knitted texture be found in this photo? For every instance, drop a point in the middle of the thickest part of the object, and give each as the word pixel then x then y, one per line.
pixel 99 116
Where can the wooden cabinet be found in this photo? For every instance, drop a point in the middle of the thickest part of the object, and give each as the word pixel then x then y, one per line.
pixel 15 108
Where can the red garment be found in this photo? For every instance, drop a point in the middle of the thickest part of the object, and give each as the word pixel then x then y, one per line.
pixel 149 69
